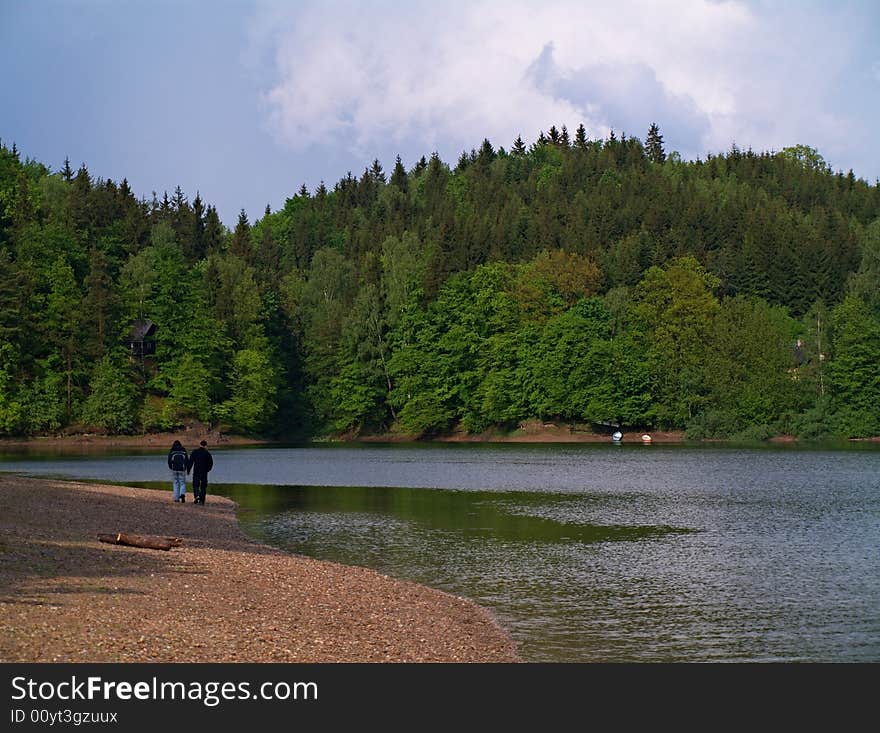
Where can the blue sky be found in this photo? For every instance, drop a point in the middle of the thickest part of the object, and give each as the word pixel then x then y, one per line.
pixel 246 101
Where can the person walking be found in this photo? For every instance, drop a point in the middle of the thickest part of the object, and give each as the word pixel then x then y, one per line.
pixel 178 462
pixel 201 462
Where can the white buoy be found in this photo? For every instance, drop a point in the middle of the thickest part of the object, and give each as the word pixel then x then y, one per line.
pixel 646 438
pixel 617 436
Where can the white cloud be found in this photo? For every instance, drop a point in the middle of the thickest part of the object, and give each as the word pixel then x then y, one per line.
pixel 447 75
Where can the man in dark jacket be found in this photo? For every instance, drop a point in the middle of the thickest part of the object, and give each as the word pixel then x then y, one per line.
pixel 200 461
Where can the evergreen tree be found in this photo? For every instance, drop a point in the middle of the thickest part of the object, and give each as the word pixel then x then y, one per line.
pixel 519 147
pixel 654 144
pixel 195 245
pixel 214 231
pixel 420 166
pixel 398 176
pixel 376 172
pixel 99 304
pixel 240 244
pixel 564 139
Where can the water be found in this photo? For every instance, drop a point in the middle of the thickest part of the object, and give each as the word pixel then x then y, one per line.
pixel 584 553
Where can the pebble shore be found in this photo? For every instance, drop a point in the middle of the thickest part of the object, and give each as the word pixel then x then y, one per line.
pixel 219 597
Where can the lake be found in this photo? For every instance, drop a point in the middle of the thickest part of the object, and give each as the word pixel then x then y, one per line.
pixel 583 552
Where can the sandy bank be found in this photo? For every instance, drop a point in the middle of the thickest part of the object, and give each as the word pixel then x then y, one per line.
pixel 65 597
pixel 190 439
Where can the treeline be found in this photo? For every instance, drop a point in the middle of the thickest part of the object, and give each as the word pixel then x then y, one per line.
pixel 591 281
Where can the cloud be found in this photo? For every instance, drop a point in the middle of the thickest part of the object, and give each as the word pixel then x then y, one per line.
pixel 447 75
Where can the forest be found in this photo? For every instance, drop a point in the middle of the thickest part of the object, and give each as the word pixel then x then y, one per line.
pixel 594 282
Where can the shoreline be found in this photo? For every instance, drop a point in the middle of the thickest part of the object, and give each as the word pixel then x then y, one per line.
pixel 220 597
pixel 528 432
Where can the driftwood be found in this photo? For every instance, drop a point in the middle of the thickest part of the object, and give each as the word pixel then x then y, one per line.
pixel 138 540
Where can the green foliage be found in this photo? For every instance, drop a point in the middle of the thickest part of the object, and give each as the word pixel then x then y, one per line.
pixel 750 369
pixel 112 405
pixel 191 388
pixel 582 280
pixel 673 310
pixel 865 282
pixel 855 369
pixel 254 390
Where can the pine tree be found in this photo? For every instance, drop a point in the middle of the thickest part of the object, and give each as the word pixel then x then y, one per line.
pixel 398 175
pixel 376 172
pixel 564 140
pixel 420 166
pixel 486 155
pixel 519 147
pixel 66 171
pixel 195 247
pixel 23 213
pixel 268 259
pixel 99 303
pixel 240 244
pixel 654 145
pixel 81 212
pixel 580 138
pixel 214 231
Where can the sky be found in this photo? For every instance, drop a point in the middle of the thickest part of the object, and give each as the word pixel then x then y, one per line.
pixel 244 102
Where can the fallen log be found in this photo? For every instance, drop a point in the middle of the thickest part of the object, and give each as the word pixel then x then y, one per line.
pixel 137 540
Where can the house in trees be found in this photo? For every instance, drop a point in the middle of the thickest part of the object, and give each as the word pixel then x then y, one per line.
pixel 141 339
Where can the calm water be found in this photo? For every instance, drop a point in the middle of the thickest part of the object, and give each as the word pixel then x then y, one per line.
pixel 583 552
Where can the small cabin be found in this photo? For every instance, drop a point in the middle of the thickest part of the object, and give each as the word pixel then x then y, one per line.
pixel 142 338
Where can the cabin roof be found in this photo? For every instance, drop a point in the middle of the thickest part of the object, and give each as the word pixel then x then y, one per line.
pixel 141 328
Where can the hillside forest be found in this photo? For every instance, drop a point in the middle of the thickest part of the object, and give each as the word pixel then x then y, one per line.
pixel 593 282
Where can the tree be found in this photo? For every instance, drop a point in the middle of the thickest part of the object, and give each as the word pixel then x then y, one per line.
pixel 99 303
pixel 749 365
pixel 855 369
pixel 555 280
pixel 253 401
pixel 399 177
pixel 805 156
pixel 112 404
pixel 61 318
pixel 215 232
pixel 240 244
pixel 674 309
pixel 654 145
pixel 865 282
pixel 194 243
pixel 191 388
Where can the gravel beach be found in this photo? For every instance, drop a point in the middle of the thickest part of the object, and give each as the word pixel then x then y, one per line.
pixel 219 597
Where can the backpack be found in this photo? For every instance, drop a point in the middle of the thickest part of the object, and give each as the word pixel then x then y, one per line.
pixel 178 461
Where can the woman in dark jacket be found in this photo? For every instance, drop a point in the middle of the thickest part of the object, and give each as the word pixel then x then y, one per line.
pixel 178 462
